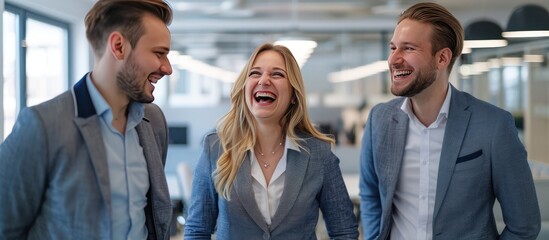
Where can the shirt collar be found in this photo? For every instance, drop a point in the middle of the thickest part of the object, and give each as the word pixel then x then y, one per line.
pixel 291 145
pixel 280 167
pixel 444 109
pixel 136 110
pixel 288 144
pixel 101 105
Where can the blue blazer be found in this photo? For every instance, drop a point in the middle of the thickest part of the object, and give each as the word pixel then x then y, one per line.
pixel 313 182
pixel 482 160
pixel 54 174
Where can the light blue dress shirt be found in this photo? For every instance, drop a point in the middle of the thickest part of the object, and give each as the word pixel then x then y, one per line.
pixel 128 174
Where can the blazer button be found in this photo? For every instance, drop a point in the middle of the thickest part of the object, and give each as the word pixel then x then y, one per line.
pixel 266 236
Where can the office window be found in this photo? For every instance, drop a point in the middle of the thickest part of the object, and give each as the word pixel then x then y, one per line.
pixel 36 60
pixel 511 87
pixel 11 68
pixel 494 78
pixel 191 89
pixel 47 61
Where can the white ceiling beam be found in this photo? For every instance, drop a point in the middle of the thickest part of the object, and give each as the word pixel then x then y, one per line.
pixel 282 25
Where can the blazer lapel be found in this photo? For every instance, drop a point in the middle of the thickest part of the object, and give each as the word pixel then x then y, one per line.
pixel 458 120
pixel 89 127
pixel 87 122
pixel 394 143
pixel 244 192
pixel 297 162
pixel 154 164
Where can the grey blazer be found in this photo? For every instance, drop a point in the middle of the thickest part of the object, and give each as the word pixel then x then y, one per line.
pixel 313 182
pixel 54 173
pixel 482 160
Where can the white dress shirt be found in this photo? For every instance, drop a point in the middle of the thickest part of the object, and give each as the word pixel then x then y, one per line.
pixel 414 199
pixel 268 196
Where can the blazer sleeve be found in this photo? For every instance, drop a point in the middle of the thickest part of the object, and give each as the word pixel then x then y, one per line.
pixel 370 199
pixel 203 210
pixel 23 175
pixel 513 183
pixel 335 203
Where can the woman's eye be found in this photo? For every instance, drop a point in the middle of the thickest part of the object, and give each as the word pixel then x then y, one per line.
pixel 277 74
pixel 254 73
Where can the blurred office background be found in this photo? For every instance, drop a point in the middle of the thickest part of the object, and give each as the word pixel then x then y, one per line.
pixel 45 51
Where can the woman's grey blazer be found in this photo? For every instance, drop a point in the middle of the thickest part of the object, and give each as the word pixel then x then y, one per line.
pixel 313 182
pixel 54 174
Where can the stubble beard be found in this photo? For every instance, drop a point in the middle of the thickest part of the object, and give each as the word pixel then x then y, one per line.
pixel 424 79
pixel 129 82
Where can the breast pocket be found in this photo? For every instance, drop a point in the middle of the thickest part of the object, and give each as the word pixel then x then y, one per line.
pixel 468 161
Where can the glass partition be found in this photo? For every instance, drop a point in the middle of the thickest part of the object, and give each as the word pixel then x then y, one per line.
pixel 516 80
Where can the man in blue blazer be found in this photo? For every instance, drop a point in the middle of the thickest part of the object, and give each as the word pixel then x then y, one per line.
pixel 434 160
pixel 89 163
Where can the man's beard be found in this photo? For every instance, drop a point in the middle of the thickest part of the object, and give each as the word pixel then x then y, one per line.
pixel 129 82
pixel 423 80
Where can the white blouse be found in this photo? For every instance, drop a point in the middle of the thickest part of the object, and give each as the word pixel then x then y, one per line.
pixel 268 197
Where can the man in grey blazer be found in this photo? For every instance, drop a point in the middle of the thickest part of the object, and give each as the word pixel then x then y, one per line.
pixel 89 163
pixel 434 160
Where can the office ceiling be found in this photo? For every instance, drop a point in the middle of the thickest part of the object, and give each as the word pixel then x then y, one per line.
pixel 210 30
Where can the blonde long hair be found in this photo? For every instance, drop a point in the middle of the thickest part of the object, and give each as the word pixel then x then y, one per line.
pixel 236 130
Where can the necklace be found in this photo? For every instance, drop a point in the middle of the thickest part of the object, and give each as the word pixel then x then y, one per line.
pixel 266 164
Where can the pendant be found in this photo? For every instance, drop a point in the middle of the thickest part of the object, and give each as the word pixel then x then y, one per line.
pixel 266 165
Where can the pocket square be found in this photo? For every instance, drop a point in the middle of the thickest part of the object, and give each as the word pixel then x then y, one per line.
pixel 469 156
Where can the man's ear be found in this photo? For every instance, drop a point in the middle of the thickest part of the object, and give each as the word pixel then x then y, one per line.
pixel 116 45
pixel 443 57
